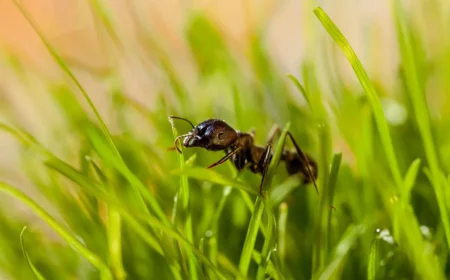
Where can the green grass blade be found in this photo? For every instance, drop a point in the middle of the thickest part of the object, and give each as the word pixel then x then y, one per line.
pixel 409 227
pixel 368 87
pixel 103 127
pixel 300 88
pixel 71 240
pixel 350 237
pixel 114 232
pixel 410 180
pixel 269 242
pixel 140 189
pixel 201 173
pixel 332 180
pixel 419 102
pixel 237 107
pixel 183 196
pixel 250 238
pixel 188 246
pixel 36 272
pixel 279 194
pixel 213 246
pixel 282 232
pixel 69 73
pixel 273 166
pixel 373 260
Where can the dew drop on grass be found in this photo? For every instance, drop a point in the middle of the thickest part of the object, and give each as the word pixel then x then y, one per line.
pixel 385 235
pixel 209 233
pixel 426 232
pixel 275 248
pixel 394 112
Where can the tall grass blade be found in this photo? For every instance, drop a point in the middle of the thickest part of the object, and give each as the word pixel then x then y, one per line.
pixel 36 272
pixel 368 87
pixel 250 238
pixel 183 197
pixel 105 273
pixel 419 102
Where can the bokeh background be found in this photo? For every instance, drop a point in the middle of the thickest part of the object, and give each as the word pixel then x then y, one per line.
pixel 140 61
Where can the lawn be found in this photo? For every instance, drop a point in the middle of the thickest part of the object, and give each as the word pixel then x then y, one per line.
pixel 103 196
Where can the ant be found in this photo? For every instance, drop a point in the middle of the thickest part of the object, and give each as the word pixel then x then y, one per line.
pixel 217 135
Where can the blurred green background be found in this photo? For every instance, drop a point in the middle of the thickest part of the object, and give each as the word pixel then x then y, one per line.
pixel 85 95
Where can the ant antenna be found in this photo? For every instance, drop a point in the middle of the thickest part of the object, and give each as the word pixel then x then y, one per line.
pixel 180 118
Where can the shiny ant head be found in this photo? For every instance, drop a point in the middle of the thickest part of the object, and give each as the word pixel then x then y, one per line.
pixel 212 134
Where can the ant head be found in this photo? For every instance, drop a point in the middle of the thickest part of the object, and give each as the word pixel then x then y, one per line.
pixel 212 135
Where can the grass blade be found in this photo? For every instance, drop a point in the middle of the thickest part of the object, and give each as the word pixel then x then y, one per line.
pixel 419 102
pixel 269 242
pixel 373 260
pixel 212 176
pixel 347 242
pixel 282 232
pixel 114 232
pixel 410 180
pixel 368 87
pixel 330 190
pixel 299 86
pixel 410 231
pixel 250 238
pixel 36 272
pixel 272 169
pixel 71 240
pixel 183 196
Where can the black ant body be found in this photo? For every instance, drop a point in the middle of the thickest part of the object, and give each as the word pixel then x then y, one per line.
pixel 217 135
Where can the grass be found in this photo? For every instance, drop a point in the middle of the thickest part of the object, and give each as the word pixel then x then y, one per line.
pixel 117 204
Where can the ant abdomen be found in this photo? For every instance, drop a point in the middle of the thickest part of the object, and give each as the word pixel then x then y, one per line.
pixel 295 164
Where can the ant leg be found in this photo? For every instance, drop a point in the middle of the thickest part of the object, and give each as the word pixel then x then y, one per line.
pixel 276 130
pixel 300 153
pixel 263 165
pixel 226 157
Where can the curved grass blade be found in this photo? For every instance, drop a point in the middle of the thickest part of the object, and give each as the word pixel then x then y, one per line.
pixel 140 189
pixel 368 87
pixel 408 224
pixel 69 73
pixel 71 240
pixel 212 176
pixel 117 157
pixel 419 102
pixel 300 88
pixel 36 272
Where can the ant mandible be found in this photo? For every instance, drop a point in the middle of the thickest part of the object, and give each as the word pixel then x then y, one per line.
pixel 217 135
